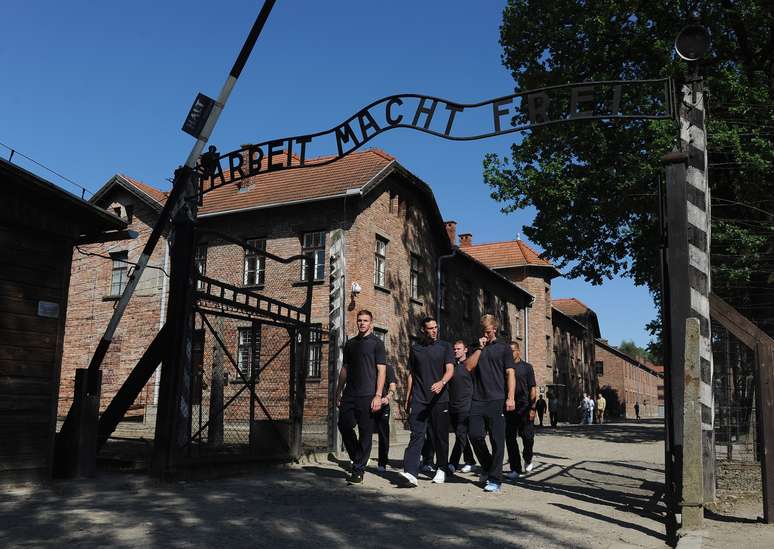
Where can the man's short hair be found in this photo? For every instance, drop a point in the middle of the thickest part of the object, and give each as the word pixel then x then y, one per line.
pixel 428 319
pixel 489 321
pixel 516 344
pixel 366 312
pixel 460 342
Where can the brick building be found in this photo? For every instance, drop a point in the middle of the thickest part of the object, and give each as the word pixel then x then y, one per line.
pixel 396 250
pixel 516 261
pixel 633 380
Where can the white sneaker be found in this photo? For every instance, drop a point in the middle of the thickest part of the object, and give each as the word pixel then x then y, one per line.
pixel 411 479
pixel 440 476
pixel 512 475
pixel 466 468
pixel 529 466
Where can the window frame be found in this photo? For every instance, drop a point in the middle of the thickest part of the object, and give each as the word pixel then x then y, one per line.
pixel 120 264
pixel 254 352
pixel 200 262
pixel 314 352
pixel 380 261
pixel 317 249
pixel 415 270
pixel 260 263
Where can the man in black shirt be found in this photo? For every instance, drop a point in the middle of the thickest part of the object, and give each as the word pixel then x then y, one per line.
pixel 460 395
pixel 431 366
pixel 383 419
pixel 361 380
pixel 492 368
pixel 521 421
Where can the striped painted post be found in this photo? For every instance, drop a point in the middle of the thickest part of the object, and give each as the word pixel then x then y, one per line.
pixel 688 260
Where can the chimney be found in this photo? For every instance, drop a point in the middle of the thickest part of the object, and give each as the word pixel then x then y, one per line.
pixel 466 240
pixel 451 230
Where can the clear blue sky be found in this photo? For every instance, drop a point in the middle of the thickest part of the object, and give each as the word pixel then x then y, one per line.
pixel 91 89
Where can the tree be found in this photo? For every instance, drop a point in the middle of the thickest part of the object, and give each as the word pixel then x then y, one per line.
pixel 594 184
pixel 630 348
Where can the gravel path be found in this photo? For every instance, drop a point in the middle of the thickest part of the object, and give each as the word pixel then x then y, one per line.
pixel 593 486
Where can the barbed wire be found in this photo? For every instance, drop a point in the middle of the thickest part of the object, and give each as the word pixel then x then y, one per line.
pixel 14 152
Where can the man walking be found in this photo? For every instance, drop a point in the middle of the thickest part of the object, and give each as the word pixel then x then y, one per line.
pixel 601 405
pixel 540 406
pixel 383 419
pixel 431 367
pixel 553 408
pixel 491 365
pixel 521 421
pixel 637 410
pixel 361 381
pixel 460 395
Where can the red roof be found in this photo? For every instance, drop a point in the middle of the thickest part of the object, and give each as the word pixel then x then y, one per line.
pixel 152 192
pixel 267 189
pixel 500 255
pixel 571 306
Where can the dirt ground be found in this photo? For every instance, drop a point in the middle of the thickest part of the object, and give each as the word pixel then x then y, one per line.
pixel 593 486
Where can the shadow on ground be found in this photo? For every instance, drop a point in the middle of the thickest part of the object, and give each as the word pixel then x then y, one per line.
pixel 624 433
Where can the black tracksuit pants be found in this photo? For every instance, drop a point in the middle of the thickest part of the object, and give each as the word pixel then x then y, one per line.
pixel 383 430
pixel 486 417
pixel 461 448
pixel 356 412
pixel 518 424
pixel 434 417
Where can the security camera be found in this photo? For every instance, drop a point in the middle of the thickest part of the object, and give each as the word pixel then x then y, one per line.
pixel 356 289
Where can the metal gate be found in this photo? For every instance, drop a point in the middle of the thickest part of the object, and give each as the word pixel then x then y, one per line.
pixel 247 375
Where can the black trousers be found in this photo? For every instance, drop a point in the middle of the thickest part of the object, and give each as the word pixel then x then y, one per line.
pixel 518 424
pixel 383 430
pixel 540 417
pixel 554 417
pixel 356 412
pixel 486 417
pixel 459 424
pixel 427 450
pixel 424 417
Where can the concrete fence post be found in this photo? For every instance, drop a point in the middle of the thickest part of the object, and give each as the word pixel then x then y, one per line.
pixel 693 469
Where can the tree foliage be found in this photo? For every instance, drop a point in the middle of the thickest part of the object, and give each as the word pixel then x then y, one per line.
pixel 594 184
pixel 633 350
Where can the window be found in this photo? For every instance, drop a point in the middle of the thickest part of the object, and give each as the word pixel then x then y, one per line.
pixel 467 300
pixel 414 276
pixel 488 302
pixel 248 355
pixel 200 263
pixel 314 357
pixel 380 262
pixel 381 333
pixel 504 320
pixel 119 274
pixel 314 244
pixel 255 264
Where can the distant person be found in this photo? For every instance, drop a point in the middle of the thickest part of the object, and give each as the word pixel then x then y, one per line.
pixel 521 421
pixel 494 392
pixel 383 419
pixel 540 406
pixel 430 368
pixel 601 405
pixel 460 395
pixel 590 411
pixel 637 410
pixel 584 408
pixel 553 409
pixel 359 393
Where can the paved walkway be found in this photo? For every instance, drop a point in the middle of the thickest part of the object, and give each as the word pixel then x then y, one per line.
pixel 593 486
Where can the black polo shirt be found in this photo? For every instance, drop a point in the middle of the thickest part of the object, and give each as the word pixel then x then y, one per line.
pixel 389 378
pixel 525 381
pixel 427 364
pixel 489 375
pixel 361 355
pixel 460 389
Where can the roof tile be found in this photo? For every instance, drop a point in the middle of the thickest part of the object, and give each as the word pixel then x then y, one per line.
pixel 511 253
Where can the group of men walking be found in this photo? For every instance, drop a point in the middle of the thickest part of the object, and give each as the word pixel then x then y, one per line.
pixel 485 391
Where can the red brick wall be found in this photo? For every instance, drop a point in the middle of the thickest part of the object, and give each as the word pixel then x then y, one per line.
pixel 90 309
pixel 632 383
